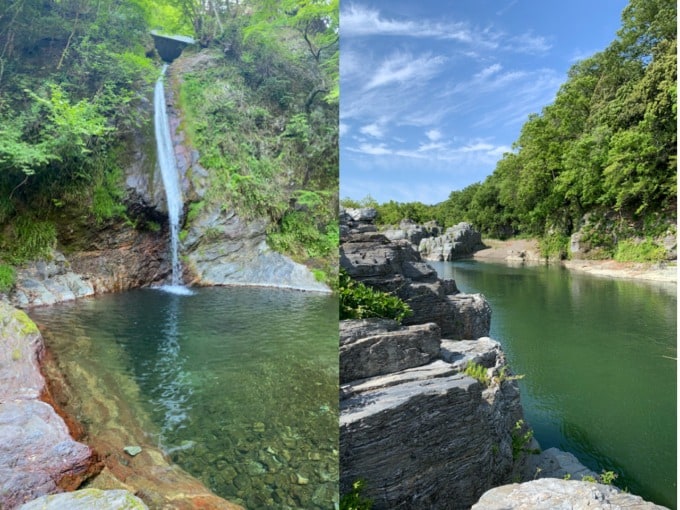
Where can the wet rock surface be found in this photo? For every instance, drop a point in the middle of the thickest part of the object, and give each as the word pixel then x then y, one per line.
pixel 112 423
pixel 37 454
pixel 557 494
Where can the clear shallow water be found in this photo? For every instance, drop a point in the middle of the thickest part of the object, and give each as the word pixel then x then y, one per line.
pixel 595 353
pixel 241 383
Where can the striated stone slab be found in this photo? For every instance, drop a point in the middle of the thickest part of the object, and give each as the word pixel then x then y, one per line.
pixel 427 437
pixel 88 499
pixel 557 494
pixel 37 454
pixel 392 351
pixel 483 351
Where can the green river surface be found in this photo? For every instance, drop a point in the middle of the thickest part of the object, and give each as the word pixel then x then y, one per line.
pixel 598 359
pixel 241 384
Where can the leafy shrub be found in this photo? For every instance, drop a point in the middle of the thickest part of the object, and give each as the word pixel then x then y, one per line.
pixel 358 301
pixel 354 500
pixel 554 246
pixel 477 371
pixel 521 437
pixel 7 277
pixel 646 251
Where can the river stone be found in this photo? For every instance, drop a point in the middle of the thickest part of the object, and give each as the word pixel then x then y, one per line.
pixel 558 494
pixel 88 499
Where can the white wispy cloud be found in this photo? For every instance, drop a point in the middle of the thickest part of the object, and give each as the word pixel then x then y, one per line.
pixel 529 43
pixel 374 130
pixel 359 20
pixel 433 135
pixel 404 68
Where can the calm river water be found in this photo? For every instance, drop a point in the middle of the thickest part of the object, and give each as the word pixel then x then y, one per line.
pixel 597 354
pixel 241 384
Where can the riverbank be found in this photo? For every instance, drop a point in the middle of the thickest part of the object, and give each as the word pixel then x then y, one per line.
pixel 527 251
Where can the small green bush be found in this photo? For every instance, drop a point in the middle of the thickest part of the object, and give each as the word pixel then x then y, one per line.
pixel 645 251
pixel 358 301
pixel 7 277
pixel 354 500
pixel 477 371
pixel 521 438
pixel 554 246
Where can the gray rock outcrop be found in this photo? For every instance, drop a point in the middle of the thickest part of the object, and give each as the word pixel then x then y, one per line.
pixel 427 436
pixel 396 267
pixel 420 432
pixel 557 494
pixel 224 249
pixel 37 454
pixel 413 232
pixel 458 241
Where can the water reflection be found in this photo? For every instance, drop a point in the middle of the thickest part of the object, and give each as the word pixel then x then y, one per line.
pixel 598 358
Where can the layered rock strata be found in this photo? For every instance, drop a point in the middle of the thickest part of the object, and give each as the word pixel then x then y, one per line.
pixel 413 232
pixel 395 266
pixel 458 241
pixel 413 425
pixel 425 435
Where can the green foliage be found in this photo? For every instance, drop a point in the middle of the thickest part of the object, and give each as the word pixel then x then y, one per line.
pixel 354 500
pixel 554 246
pixel 478 372
pixel 7 277
pixel 28 239
pixel 521 437
pixel 607 142
pixel 629 250
pixel 358 301
pixel 107 196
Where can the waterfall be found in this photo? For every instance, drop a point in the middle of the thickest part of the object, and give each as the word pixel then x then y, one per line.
pixel 168 166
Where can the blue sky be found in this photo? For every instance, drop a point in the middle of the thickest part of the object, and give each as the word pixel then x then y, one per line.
pixel 432 93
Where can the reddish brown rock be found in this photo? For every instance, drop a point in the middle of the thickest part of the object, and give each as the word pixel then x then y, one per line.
pixel 37 454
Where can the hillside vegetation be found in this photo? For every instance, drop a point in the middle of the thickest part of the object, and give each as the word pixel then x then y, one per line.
pixel 602 157
pixel 75 80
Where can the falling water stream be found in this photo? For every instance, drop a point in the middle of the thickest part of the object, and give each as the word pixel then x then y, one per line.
pixel 168 167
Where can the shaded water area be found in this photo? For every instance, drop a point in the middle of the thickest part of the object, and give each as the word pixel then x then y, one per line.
pixel 597 355
pixel 238 385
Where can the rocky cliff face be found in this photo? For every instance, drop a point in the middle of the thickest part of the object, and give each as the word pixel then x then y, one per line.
pixel 458 241
pixel 395 266
pixel 222 248
pixel 420 432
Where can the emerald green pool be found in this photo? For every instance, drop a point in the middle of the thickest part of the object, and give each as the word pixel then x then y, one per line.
pixel 241 384
pixel 598 356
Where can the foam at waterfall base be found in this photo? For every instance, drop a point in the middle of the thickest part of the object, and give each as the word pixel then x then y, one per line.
pixel 179 290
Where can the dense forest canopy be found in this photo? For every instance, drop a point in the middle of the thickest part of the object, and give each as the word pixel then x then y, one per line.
pixel 604 151
pixel 76 77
